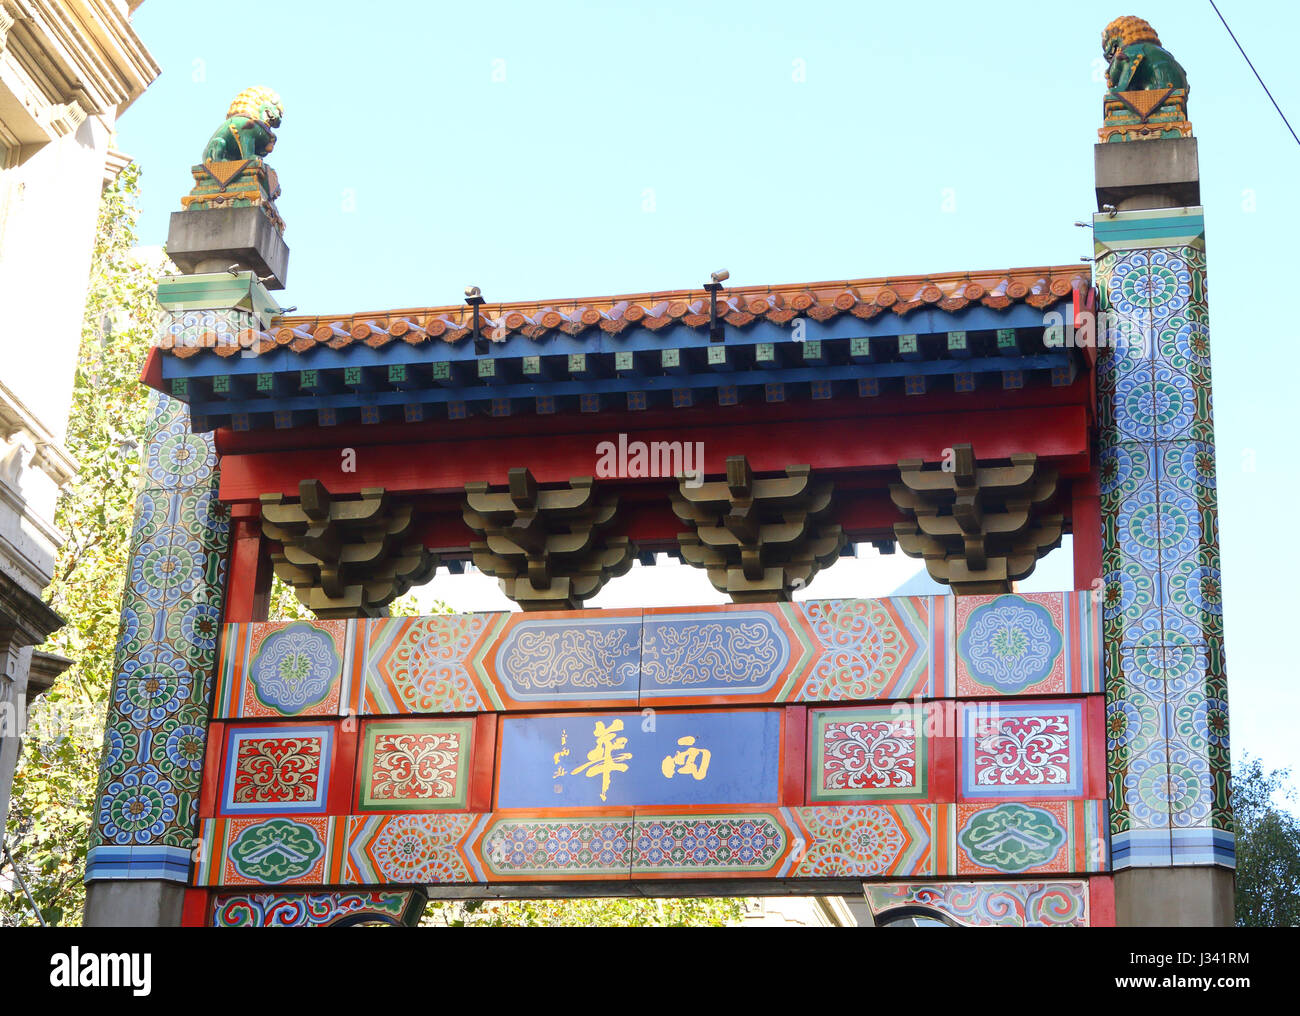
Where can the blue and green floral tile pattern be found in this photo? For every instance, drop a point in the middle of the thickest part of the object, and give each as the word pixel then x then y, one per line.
pixel 156 731
pixel 1166 694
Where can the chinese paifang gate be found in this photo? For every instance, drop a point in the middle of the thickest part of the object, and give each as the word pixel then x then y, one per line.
pixel 982 757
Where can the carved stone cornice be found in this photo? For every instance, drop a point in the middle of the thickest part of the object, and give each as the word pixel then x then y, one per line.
pixel 345 557
pixel 549 549
pixel 78 50
pixel 758 538
pixel 978 528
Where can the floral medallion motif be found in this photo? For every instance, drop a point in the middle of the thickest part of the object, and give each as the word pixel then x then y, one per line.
pixel 138 807
pixel 180 745
pixel 201 626
pixel 418 665
pixel 860 841
pixel 1129 593
pixel 1132 722
pixel 180 459
pixel 410 849
pixel 295 667
pixel 152 685
pixel 130 637
pixel 167 568
pixel 1009 644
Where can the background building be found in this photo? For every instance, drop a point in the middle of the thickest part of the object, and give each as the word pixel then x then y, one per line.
pixel 68 70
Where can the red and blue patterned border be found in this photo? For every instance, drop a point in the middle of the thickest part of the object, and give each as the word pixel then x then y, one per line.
pixel 818 651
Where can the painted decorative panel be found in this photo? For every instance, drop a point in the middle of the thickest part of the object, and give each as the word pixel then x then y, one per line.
pixel 1023 749
pixel 277 770
pixel 709 653
pixel 550 658
pixel 596 760
pixel 1022 645
pixel 729 775
pixel 875 649
pixel 868 753
pixel 682 846
pixel 530 848
pixel 270 851
pixel 819 651
pixel 285 668
pixel 415 764
pixel 864 841
pixel 315 910
pixel 410 849
pixel 1057 904
pixel 1049 837
pixel 429 664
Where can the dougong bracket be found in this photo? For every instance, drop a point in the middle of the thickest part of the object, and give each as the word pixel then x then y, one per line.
pixel 978 528
pixel 550 549
pixel 759 538
pixel 347 557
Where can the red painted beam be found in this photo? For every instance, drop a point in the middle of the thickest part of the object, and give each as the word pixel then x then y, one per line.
pixel 892 409
pixel 849 443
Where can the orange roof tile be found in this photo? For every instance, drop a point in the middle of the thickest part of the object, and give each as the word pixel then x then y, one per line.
pixel 738 307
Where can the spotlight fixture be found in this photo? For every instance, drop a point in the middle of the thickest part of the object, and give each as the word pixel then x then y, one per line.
pixel 713 287
pixel 474 297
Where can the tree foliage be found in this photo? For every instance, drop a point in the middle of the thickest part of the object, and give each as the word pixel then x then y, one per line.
pixel 1268 847
pixel 54 788
pixel 704 912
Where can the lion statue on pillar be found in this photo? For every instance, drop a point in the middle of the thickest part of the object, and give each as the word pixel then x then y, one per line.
pixel 1137 60
pixel 247 132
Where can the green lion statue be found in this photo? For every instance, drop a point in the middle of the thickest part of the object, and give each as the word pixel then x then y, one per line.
pixel 247 131
pixel 1137 60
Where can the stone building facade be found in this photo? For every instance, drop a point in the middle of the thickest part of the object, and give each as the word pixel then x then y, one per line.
pixel 68 69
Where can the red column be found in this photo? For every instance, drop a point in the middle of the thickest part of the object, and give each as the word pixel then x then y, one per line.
pixel 248 586
pixel 1085 518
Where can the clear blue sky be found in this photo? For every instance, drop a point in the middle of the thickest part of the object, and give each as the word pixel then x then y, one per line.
pixel 639 146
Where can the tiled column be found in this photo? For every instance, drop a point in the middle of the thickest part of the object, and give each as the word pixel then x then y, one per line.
pixel 1166 691
pixel 146 806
